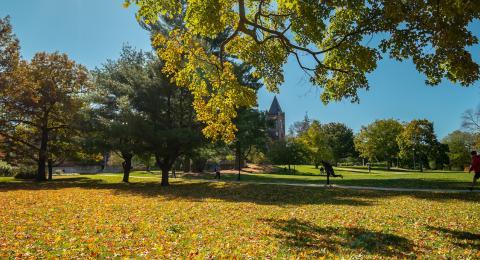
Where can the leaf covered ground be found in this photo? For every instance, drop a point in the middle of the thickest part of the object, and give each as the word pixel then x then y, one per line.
pixel 95 216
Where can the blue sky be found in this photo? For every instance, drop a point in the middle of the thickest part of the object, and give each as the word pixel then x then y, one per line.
pixel 92 31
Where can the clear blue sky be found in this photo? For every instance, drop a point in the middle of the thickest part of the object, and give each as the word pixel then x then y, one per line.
pixel 91 31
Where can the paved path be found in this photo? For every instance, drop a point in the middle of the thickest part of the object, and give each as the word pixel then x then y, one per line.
pixel 320 185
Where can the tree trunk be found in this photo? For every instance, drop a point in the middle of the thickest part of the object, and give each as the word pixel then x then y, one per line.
pixel 165 170
pixel 316 165
pixel 289 168
pixel 42 156
pixel 239 157
pixel 186 164
pixel 104 162
pixel 50 169
pixel 238 154
pixel 127 166
pixel 164 166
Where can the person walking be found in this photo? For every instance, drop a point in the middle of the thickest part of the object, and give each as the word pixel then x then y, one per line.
pixel 217 171
pixel 475 167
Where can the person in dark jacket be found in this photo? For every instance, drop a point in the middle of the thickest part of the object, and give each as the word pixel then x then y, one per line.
pixel 475 168
pixel 330 172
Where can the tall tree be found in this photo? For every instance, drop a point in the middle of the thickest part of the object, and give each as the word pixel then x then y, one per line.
pixel 44 99
pixel 252 132
pixel 9 51
pixel 434 34
pixel 460 145
pixel 289 152
pixel 113 119
pixel 378 140
pixel 9 58
pixel 167 125
pixel 340 139
pixel 317 143
pixel 417 142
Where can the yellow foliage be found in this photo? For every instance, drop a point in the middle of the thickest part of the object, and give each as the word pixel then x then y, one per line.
pixel 214 85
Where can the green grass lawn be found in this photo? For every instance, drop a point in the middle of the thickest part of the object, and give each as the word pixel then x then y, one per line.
pixel 93 216
pixel 361 177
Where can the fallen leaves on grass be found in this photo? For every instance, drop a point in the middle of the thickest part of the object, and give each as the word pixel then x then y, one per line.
pixel 89 218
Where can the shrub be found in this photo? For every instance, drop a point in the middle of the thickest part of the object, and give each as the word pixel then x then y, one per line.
pixel 26 172
pixel 6 170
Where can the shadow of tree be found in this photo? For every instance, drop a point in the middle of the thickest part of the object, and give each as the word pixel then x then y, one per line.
pixel 318 241
pixel 199 191
pixel 234 192
pixel 462 239
pixel 372 181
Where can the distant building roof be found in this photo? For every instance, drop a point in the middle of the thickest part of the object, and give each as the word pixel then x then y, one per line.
pixel 275 107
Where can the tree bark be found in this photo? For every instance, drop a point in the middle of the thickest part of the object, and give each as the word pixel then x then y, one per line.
pixel 165 170
pixel 42 156
pixel 238 154
pixel 165 166
pixel 186 164
pixel 50 169
pixel 127 166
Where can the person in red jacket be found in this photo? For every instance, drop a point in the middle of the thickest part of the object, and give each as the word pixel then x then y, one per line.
pixel 475 167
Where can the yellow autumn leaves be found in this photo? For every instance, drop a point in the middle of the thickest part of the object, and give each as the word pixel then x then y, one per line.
pixel 214 85
pixel 97 217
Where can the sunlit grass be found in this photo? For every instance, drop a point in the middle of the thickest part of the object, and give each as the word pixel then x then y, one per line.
pixel 358 177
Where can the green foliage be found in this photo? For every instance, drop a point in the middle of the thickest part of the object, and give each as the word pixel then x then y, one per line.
pixel 460 145
pixel 340 140
pixel 6 170
pixel 333 35
pixel 290 152
pixel 378 141
pixel 418 140
pixel 252 133
pixel 317 141
pixel 136 110
pixel 208 153
pixel 25 172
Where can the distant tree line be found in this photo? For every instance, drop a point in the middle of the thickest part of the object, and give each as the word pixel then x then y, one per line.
pixel 387 142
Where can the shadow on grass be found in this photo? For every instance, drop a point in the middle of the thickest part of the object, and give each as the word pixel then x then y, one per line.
pixel 366 181
pixel 200 191
pixel 462 239
pixel 318 241
pixel 234 192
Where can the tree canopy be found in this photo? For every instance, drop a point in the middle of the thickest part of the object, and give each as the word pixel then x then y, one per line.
pixel 42 99
pixel 378 140
pixel 418 140
pixel 460 145
pixel 111 121
pixel 330 40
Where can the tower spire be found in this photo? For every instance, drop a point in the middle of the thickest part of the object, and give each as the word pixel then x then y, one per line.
pixel 275 107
